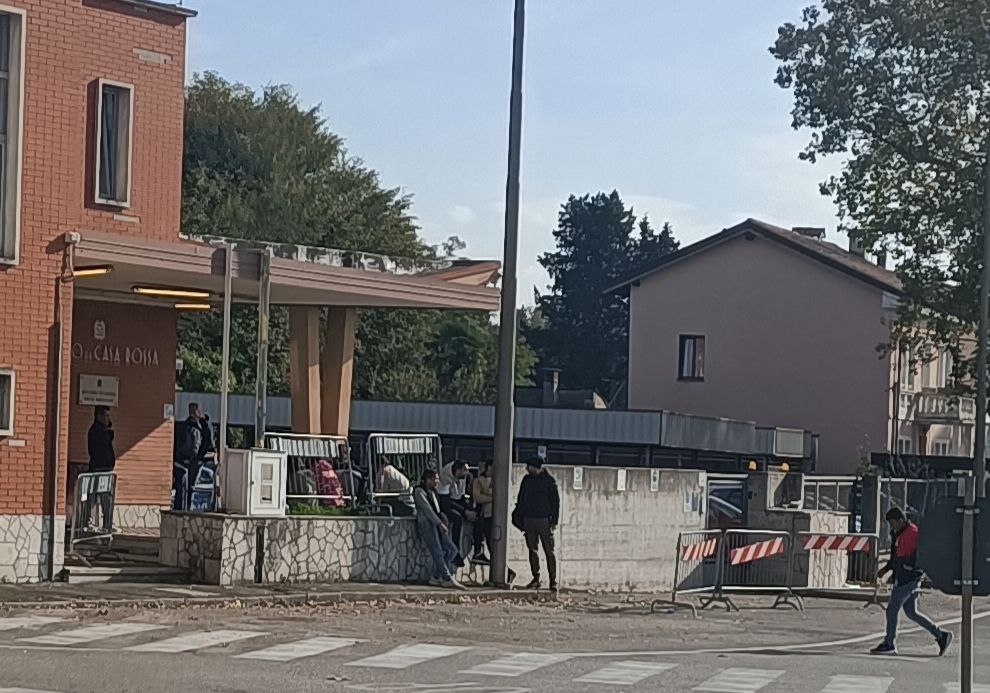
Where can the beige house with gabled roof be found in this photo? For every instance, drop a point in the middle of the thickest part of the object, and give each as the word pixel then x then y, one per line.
pixel 768 324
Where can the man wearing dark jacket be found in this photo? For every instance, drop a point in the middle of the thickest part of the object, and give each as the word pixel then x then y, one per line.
pixel 538 508
pixel 907 584
pixel 102 457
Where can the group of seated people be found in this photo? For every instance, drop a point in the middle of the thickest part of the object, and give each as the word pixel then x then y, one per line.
pixel 443 506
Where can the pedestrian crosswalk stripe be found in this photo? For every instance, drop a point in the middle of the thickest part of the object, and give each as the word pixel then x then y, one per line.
pixel 858 684
pixel 407 656
pixel 625 673
pixel 23 690
pixel 977 688
pixel 301 648
pixel 516 665
pixel 197 641
pixel 740 680
pixel 79 636
pixel 15 622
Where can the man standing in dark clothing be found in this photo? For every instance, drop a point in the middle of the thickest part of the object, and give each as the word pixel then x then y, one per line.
pixel 538 507
pixel 102 458
pixel 190 448
pixel 907 584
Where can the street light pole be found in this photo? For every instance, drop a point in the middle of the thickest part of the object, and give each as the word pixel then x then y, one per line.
pixel 504 404
pixel 976 486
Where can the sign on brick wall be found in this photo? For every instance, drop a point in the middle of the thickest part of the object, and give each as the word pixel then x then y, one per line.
pixel 98 390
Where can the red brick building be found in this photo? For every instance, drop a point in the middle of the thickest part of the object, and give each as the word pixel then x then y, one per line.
pixel 91 100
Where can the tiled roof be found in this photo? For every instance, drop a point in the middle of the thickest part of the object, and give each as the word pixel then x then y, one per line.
pixel 828 253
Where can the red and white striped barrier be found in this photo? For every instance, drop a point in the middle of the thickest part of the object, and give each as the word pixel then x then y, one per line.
pixel 754 552
pixel 837 542
pixel 699 550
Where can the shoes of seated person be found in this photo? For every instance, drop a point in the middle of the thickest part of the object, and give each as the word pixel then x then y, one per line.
pixel 453 584
pixel 534 584
pixel 480 559
pixel 436 582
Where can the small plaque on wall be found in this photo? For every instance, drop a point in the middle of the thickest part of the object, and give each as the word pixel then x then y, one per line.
pixel 578 483
pixel 98 390
pixel 620 480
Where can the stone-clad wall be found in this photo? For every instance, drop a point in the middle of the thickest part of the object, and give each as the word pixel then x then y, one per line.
pixel 24 547
pixel 224 550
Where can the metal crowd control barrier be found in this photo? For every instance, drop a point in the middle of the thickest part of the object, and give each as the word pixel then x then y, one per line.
pixel 821 563
pixel 317 474
pixel 411 453
pixel 92 511
pixel 757 561
pixel 696 571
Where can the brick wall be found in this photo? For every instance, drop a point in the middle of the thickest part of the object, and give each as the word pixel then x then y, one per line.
pixel 69 44
pixel 143 437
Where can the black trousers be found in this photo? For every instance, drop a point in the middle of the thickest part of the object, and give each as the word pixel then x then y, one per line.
pixel 538 531
pixel 482 533
pixel 454 510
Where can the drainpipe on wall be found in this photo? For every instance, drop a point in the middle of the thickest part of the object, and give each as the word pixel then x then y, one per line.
pixel 65 277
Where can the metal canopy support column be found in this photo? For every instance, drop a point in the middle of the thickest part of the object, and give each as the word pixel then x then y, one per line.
pixel 228 280
pixel 261 384
pixel 504 404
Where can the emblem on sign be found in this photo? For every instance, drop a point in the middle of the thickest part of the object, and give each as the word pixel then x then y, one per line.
pixel 99 330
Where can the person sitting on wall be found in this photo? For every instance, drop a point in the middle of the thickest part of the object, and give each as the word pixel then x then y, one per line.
pixel 328 484
pixel 481 495
pixel 392 481
pixel 434 530
pixel 454 502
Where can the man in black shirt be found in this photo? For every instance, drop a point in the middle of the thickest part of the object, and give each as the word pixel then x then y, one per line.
pixel 538 508
pixel 102 458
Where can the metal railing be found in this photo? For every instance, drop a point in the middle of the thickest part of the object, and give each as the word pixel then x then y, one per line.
pixel 825 562
pixel 92 511
pixel 697 567
pixel 830 493
pixel 412 454
pixel 755 560
pixel 319 471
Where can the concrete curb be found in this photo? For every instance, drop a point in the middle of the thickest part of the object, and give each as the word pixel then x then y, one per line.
pixel 319 598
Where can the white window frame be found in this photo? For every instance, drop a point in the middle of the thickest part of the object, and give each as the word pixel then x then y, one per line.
pixel 906 375
pixel 9 429
pixel 946 443
pixel 98 157
pixel 905 445
pixel 944 370
pixel 10 247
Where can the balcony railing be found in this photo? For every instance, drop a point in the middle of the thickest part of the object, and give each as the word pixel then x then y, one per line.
pixel 935 407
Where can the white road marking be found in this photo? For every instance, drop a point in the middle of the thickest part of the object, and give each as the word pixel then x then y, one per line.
pixel 288 651
pixel 977 688
pixel 91 633
pixel 15 622
pixel 199 640
pixel 516 665
pixel 185 591
pixel 740 680
pixel 625 673
pixel 408 656
pixel 23 690
pixel 858 684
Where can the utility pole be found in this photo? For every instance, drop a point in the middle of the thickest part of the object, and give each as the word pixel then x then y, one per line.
pixel 976 486
pixel 504 403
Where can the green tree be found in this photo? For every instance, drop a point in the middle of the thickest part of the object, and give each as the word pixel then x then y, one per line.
pixel 577 326
pixel 263 167
pixel 901 91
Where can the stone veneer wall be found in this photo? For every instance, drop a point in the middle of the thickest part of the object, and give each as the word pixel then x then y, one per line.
pixel 24 547
pixel 224 550
pixel 137 516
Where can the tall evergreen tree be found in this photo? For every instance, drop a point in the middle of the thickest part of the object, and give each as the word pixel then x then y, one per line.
pixel 584 331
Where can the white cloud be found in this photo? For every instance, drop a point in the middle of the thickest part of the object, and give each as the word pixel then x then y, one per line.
pixel 461 214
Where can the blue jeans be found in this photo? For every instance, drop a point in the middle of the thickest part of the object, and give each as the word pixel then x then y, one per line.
pixel 906 597
pixel 441 549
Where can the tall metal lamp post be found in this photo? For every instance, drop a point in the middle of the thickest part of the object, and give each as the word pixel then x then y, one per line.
pixel 504 404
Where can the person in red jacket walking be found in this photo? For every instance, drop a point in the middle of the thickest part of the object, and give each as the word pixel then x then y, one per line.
pixel 907 584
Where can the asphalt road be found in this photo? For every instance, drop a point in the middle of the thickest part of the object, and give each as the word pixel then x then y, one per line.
pixel 575 646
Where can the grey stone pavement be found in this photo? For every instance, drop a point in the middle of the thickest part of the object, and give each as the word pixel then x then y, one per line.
pixel 416 643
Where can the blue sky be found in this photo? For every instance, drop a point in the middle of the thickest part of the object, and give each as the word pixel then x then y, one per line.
pixel 670 102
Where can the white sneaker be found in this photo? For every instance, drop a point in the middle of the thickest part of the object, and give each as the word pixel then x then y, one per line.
pixel 454 585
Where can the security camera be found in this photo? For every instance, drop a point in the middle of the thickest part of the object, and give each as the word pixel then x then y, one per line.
pixel 72 237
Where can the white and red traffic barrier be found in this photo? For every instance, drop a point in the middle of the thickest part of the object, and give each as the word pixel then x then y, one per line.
pixel 699 550
pixel 754 552
pixel 837 542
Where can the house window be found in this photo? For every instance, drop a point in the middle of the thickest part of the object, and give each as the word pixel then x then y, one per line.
pixel 944 369
pixel 904 446
pixel 692 358
pixel 6 402
pixel 942 448
pixel 113 144
pixel 11 59
pixel 906 358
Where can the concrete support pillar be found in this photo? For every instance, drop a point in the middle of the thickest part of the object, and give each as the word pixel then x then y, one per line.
pixel 304 369
pixel 338 369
